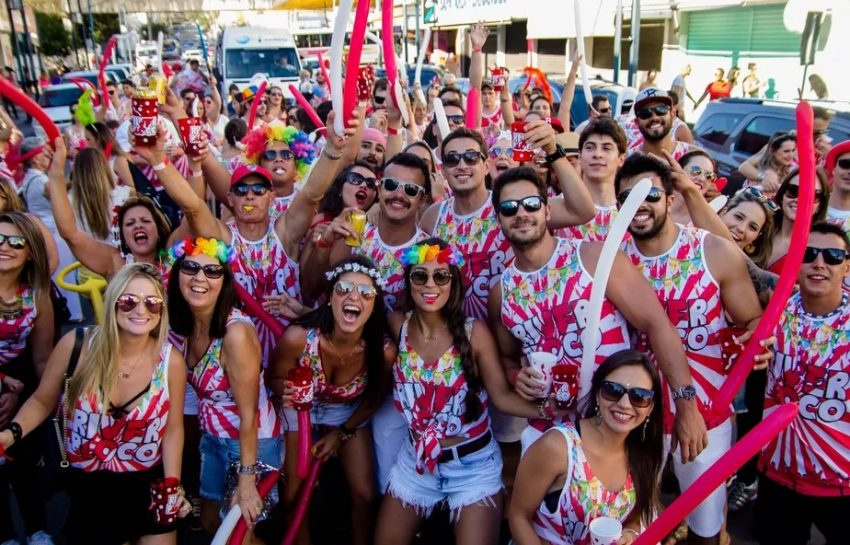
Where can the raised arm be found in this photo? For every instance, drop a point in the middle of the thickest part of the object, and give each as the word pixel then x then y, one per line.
pixel 569 92
pixel 702 215
pixel 477 37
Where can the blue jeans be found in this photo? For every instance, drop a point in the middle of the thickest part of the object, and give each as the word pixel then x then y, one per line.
pixel 217 453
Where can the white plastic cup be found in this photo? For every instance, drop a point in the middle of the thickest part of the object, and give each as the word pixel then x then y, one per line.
pixel 605 531
pixel 543 362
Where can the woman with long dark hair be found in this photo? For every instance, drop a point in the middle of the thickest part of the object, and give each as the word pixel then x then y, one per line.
pixel 783 219
pixel 606 464
pixel 238 423
pixel 96 196
pixel 442 385
pixel 343 343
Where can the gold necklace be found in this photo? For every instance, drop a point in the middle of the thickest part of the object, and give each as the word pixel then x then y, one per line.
pixel 11 310
pixel 433 337
pixel 122 374
pixel 343 359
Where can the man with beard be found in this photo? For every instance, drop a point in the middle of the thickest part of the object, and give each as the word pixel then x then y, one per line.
pixel 539 305
pixel 838 168
pixel 805 469
pixel 700 279
pixel 654 118
pixel 372 149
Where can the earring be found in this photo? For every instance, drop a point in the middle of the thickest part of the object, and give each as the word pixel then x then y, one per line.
pixel 597 418
pixel 749 249
pixel 643 433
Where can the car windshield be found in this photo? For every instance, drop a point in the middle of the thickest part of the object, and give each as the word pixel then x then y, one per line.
pixel 277 63
pixel 91 77
pixel 60 97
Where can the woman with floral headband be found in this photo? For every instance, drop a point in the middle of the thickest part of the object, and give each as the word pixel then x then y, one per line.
pixel 439 381
pixel 343 343
pixel 239 427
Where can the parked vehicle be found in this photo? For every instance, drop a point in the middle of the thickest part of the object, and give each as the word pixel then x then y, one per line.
pixel 146 54
pixel 91 75
pixel 242 52
pixel 56 101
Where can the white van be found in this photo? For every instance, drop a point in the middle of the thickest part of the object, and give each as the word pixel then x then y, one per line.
pixel 242 52
pixel 146 54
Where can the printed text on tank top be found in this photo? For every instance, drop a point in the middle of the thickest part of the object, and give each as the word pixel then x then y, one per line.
pixel 388 261
pixel 432 398
pixel 16 326
pixel 325 390
pixel 124 440
pixel 690 295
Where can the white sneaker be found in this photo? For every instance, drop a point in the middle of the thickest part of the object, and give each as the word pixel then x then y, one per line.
pixel 40 538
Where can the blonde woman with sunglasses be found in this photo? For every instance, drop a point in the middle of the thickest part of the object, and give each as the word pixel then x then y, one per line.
pixel 122 384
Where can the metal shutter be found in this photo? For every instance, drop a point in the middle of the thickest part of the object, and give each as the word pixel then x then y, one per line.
pixel 751 31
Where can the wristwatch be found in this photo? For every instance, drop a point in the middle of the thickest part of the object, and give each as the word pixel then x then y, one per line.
pixel 687 392
pixel 16 430
pixel 557 154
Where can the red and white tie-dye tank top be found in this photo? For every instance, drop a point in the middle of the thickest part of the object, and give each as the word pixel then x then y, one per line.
pixel 218 414
pixel 596 230
pixel 388 261
pixel 97 441
pixel 281 204
pixel 432 398
pixel 16 329
pixel 811 367
pixel 263 268
pixel 326 391
pixel 478 237
pixel 691 297
pixel 546 310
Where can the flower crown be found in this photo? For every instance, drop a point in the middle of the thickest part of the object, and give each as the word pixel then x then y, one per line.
pixel 207 246
pixel 357 268
pixel 256 140
pixel 421 253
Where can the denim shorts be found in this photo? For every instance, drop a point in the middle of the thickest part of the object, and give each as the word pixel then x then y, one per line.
pixel 458 482
pixel 217 453
pixel 321 414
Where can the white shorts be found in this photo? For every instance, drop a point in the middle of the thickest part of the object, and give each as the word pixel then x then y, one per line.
pixel 707 519
pixel 321 414
pixel 389 434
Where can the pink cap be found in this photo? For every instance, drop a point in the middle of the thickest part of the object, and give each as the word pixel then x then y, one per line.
pixel 375 135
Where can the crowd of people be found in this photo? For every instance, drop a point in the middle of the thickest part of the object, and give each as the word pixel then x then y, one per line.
pixel 421 326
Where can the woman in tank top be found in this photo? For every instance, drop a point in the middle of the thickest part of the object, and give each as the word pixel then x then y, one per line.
pixel 606 464
pixel 121 437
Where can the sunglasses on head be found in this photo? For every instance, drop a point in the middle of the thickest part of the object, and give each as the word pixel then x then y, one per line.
pixel 420 277
pixel 411 190
pixel 532 203
pixel 762 198
pixel 271 155
pixel 844 163
pixel 709 176
pixel 15 242
pixel 211 271
pixel 128 303
pixel 638 397
pixel 471 157
pixel 831 256
pixel 645 113
pixel 259 189
pixel 793 192
pixel 357 179
pixel 497 152
pixel 344 287
pixel 654 195
pixel 455 119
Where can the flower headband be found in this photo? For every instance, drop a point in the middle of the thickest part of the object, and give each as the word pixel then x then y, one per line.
pixel 421 253
pixel 357 268
pixel 207 246
pixel 255 143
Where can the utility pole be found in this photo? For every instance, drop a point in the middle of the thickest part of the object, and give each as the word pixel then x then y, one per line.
pixel 418 38
pixel 618 39
pixel 28 49
pixel 73 34
pixel 633 55
pixel 91 28
pixel 14 39
pixel 85 37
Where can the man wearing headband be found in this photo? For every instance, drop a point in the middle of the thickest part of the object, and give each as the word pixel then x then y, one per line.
pixel 372 148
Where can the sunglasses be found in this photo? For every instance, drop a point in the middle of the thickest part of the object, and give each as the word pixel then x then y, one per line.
pixel 831 256
pixel 645 113
pixel 411 190
pixel 709 176
pixel 211 271
pixel 638 397
pixel 452 159
pixel 455 119
pixel 271 155
pixel 497 152
pixel 654 195
pixel 111 93
pixel 531 203
pixel 420 277
pixel 793 192
pixel 344 287
pixel 128 303
pixel 354 178
pixel 378 99
pixel 844 163
pixel 15 242
pixel 258 189
pixel 762 198
pixel 276 94
pixel 604 110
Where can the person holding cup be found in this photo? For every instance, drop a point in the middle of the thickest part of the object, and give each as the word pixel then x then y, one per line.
pixel 605 466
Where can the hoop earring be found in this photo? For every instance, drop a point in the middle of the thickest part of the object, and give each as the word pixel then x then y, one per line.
pixel 749 249
pixel 597 418
pixel 643 433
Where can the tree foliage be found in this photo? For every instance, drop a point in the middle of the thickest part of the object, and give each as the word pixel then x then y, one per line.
pixel 54 39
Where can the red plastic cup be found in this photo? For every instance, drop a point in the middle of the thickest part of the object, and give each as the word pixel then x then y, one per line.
pixel 497 77
pixel 521 152
pixel 143 123
pixel 302 388
pixel 565 385
pixel 191 131
pixel 165 500
pixel 729 349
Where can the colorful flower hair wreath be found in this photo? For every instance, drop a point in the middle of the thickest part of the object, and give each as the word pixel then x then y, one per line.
pixel 255 143
pixel 357 268
pixel 207 246
pixel 421 253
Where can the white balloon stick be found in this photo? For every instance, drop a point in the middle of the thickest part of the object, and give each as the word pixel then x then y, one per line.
pixel 718 202
pixel 227 526
pixel 160 39
pixel 337 43
pixel 442 121
pixel 588 97
pixel 423 48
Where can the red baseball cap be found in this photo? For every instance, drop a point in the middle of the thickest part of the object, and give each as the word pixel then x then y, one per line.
pixel 244 170
pixel 834 153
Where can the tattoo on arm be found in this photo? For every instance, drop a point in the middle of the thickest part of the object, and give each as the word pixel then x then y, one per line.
pixel 763 281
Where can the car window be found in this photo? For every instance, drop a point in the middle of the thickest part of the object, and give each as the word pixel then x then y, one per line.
pixel 61 96
pixel 758 131
pixel 717 128
pixel 280 62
